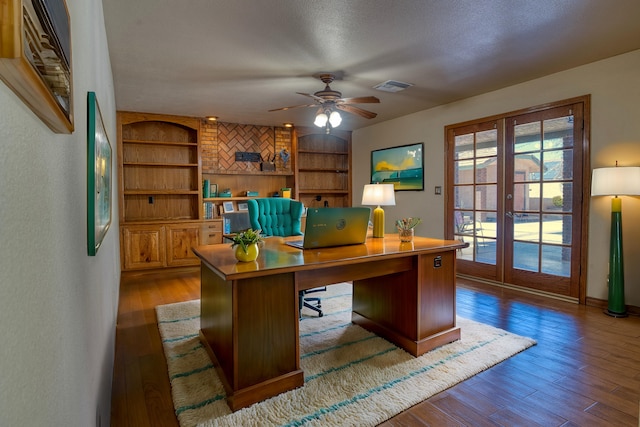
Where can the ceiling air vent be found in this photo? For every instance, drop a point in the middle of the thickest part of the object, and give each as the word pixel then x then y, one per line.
pixel 392 86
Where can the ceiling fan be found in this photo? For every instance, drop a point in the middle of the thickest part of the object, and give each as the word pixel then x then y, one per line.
pixel 330 100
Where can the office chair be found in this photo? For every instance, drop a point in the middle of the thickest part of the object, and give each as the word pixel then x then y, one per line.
pixel 282 217
pixel 275 216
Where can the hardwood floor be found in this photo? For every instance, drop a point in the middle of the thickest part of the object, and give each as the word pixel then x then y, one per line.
pixel 584 371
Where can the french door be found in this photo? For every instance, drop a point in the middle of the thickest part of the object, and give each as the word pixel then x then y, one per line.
pixel 515 194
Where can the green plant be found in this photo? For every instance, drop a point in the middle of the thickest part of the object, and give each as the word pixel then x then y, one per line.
pixel 407 223
pixel 246 238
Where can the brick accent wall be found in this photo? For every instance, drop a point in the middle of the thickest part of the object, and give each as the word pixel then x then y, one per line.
pixel 220 142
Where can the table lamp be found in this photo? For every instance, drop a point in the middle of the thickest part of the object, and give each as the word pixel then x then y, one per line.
pixel 378 195
pixel 616 181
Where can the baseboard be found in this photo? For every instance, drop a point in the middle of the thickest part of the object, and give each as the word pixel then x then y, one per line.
pixel 603 304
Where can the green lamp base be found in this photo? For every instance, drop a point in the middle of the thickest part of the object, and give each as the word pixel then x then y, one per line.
pixel 616 306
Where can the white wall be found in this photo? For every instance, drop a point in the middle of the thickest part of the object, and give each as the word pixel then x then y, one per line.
pixel 615 135
pixel 57 305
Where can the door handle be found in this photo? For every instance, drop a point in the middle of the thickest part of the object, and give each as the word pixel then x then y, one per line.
pixel 509 214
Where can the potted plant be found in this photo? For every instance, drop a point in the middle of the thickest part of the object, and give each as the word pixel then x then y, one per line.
pixel 246 244
pixel 405 228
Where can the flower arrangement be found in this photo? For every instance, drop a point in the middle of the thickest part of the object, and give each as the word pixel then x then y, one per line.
pixel 246 238
pixel 407 223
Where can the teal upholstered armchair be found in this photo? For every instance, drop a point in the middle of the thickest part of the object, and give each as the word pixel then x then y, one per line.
pixel 282 217
pixel 275 216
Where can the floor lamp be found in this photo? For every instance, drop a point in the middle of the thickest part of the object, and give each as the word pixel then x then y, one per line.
pixel 616 181
pixel 378 195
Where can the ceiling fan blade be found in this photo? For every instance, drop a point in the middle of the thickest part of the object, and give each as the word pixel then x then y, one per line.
pixel 317 98
pixel 355 110
pixel 359 100
pixel 293 106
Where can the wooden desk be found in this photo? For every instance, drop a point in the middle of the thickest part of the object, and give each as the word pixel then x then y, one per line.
pixel 249 320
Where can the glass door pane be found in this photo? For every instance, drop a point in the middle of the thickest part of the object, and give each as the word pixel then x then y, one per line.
pixel 540 164
pixel 475 195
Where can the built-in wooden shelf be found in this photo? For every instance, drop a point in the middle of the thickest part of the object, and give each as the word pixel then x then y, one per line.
pixel 249 173
pixel 342 153
pixel 164 165
pixel 224 199
pixel 321 170
pixel 323 191
pixel 148 141
pixel 161 192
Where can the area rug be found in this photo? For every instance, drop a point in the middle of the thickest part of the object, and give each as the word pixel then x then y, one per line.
pixel 352 377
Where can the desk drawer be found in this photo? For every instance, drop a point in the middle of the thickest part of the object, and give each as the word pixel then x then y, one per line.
pixel 211 232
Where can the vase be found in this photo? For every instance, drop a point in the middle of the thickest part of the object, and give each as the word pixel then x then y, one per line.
pixel 406 235
pixel 250 255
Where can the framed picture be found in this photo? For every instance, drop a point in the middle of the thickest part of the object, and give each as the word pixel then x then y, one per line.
pixel 402 166
pixel 228 207
pixel 213 190
pixel 35 58
pixel 98 177
pixel 242 206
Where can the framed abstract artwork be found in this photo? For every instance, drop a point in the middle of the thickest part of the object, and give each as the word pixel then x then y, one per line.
pixel 402 166
pixel 98 177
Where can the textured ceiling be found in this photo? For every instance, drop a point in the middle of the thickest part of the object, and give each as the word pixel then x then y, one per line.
pixel 237 59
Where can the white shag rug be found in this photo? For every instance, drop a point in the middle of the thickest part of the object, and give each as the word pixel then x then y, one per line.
pixel 352 377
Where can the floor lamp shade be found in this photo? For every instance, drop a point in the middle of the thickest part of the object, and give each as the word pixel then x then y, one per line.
pixel 616 181
pixel 378 195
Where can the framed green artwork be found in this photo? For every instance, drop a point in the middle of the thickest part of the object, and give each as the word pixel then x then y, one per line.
pixel 401 166
pixel 98 177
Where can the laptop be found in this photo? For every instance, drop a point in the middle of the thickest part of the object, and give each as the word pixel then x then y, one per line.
pixel 326 227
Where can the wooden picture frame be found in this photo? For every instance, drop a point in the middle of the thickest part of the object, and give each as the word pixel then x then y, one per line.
pixel 402 166
pixel 99 192
pixel 228 207
pixel 35 58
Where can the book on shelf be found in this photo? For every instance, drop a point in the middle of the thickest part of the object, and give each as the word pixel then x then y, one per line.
pixel 209 210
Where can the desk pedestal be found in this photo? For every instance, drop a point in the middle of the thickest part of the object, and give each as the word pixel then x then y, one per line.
pixel 250 330
pixel 414 309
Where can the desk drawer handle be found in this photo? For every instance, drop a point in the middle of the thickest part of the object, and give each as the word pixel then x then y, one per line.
pixel 437 262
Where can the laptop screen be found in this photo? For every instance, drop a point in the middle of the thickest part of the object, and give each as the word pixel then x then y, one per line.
pixel 327 227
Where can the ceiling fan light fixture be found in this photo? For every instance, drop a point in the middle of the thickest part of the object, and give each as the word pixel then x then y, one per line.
pixel 335 119
pixel 321 120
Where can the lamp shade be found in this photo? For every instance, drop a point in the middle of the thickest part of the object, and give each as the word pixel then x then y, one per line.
pixel 335 119
pixel 379 195
pixel 321 120
pixel 616 181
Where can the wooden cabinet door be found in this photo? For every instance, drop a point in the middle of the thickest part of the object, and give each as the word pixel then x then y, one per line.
pixel 143 247
pixel 180 239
